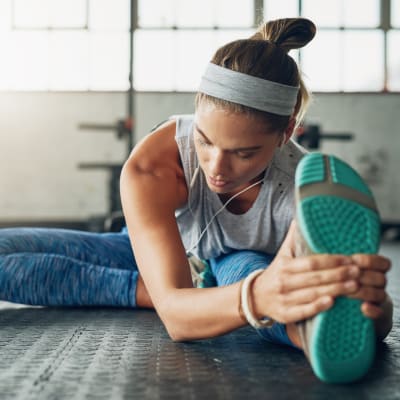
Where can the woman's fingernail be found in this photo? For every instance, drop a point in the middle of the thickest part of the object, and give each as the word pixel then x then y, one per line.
pixel 354 271
pixel 326 300
pixel 350 285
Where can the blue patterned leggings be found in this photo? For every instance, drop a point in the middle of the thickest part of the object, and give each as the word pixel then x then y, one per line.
pixel 57 267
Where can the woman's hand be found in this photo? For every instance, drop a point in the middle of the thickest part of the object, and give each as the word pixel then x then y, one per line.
pixel 293 289
pixel 372 283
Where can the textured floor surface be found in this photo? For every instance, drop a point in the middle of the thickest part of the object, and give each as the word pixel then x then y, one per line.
pixel 58 353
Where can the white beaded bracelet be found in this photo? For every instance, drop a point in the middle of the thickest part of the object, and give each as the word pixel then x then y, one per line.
pixel 245 303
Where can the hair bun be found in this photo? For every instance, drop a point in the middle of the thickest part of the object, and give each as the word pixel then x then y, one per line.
pixel 288 33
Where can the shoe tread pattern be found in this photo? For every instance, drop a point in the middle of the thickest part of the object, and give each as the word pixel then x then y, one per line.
pixel 343 341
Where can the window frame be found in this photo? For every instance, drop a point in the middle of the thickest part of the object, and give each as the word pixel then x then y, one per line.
pixel 258 15
pixel 384 26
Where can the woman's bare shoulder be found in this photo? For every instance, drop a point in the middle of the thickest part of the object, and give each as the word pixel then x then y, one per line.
pixel 156 156
pixel 157 149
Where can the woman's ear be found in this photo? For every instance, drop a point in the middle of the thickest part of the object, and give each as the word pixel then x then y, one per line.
pixel 289 130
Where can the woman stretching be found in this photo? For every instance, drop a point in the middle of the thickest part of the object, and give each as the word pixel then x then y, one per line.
pixel 209 201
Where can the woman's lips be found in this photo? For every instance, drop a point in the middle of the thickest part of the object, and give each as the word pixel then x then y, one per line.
pixel 217 182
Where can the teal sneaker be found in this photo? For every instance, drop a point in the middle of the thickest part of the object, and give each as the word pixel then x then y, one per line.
pixel 336 214
pixel 202 275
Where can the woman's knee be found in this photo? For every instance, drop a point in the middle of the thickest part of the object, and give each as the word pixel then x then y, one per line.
pixel 235 266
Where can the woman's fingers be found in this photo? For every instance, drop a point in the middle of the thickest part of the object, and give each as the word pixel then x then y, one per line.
pixel 372 261
pixel 319 270
pixel 312 294
pixel 371 310
pixel 373 278
pixel 316 262
pixel 352 288
pixel 309 310
pixel 317 278
pixel 304 311
pixel 304 286
pixel 369 294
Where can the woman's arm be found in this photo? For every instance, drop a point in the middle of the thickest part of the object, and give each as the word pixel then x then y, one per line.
pixel 152 188
pixel 291 289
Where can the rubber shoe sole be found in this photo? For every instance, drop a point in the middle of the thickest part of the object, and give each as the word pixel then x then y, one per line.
pixel 336 214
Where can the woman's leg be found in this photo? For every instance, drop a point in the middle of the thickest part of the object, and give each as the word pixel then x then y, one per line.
pixel 57 267
pixel 233 267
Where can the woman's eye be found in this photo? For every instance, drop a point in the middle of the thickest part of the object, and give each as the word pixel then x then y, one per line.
pixel 245 155
pixel 203 143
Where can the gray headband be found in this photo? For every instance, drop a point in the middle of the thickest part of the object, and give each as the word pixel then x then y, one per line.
pixel 250 91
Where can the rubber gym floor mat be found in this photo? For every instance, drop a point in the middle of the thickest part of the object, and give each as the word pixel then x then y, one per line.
pixel 105 353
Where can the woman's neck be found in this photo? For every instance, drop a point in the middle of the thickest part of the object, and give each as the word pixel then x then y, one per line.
pixel 243 202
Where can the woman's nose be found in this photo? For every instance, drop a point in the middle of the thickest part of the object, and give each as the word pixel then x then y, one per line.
pixel 218 164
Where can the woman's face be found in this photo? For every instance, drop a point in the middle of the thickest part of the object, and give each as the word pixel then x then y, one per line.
pixel 233 149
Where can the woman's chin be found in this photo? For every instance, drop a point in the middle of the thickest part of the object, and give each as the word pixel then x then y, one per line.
pixel 218 186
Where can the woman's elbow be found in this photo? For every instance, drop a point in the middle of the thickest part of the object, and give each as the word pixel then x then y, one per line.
pixel 176 336
pixel 173 326
pixel 178 329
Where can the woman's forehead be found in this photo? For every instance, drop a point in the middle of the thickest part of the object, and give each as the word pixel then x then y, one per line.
pixel 211 120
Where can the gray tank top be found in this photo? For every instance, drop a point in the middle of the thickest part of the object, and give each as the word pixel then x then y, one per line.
pixel 263 227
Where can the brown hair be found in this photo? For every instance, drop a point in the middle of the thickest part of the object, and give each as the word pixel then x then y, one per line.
pixel 265 55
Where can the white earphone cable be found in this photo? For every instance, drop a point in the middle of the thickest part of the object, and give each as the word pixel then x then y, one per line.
pixel 188 252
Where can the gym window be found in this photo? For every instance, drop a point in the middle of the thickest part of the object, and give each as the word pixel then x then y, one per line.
pixel 64 45
pixel 83 45
pixel 353 51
